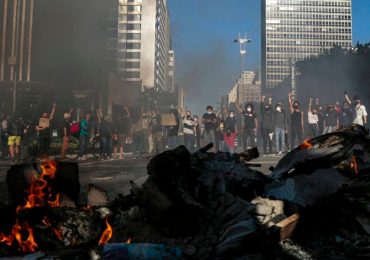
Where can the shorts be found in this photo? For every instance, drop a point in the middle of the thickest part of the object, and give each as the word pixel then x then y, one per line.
pixel 121 139
pixel 14 140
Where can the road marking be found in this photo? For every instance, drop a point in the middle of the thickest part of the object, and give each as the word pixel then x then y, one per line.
pixel 102 178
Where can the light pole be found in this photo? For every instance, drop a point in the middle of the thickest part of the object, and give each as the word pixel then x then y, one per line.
pixel 15 64
pixel 242 48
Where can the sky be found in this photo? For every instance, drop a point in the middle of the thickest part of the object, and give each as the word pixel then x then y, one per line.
pixel 208 60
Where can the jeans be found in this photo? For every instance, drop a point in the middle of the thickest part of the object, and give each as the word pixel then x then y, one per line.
pixel 266 140
pixel 209 137
pixel 107 146
pixel 44 145
pixel 83 141
pixel 172 141
pixel 279 139
pixel 313 130
pixel 189 142
pixel 295 132
pixel 139 141
pixel 248 133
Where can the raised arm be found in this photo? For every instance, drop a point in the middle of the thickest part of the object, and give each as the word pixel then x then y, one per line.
pixel 238 107
pixel 99 115
pixel 290 102
pixel 310 105
pixel 262 105
pixel 52 113
pixel 347 98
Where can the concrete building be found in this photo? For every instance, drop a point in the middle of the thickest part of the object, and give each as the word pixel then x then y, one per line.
pixel 171 72
pixel 295 29
pixel 249 88
pixel 143 43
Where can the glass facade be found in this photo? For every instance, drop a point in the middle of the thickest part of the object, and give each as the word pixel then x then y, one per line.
pixel 296 29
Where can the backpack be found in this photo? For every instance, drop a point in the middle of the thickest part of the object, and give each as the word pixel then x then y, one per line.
pixel 75 128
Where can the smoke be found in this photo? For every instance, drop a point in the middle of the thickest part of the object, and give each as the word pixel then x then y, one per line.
pixel 202 74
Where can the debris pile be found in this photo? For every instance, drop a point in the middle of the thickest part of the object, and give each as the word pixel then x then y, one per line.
pixel 315 204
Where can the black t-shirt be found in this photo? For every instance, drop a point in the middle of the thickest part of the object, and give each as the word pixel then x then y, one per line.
pixel 331 118
pixel 155 124
pixel 123 125
pixel 212 124
pixel 249 119
pixel 67 126
pixel 45 133
pixel 105 129
pixel 230 124
pixel 296 119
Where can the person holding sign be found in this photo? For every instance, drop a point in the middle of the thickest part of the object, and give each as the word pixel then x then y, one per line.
pixel 44 133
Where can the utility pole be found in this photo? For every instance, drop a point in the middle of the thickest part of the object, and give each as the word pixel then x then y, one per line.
pixel 243 41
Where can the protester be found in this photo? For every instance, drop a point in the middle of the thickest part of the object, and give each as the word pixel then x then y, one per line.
pixel 209 121
pixel 313 120
pixel 66 133
pixel 197 132
pixel 173 130
pixel 360 110
pixel 331 121
pixel 85 129
pixel 346 116
pixel 267 124
pixel 139 131
pixel 44 132
pixel 230 133
pixel 296 122
pixel 219 132
pixel 4 136
pixel 107 134
pixel 123 129
pixel 280 128
pixel 157 132
pixel 189 131
pixel 250 123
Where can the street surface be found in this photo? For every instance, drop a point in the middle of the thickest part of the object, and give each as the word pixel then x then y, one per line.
pixel 115 176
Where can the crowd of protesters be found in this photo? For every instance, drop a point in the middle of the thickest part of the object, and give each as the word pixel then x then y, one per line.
pixel 150 132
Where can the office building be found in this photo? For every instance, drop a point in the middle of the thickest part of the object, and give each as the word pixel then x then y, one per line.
pixel 143 43
pixel 171 72
pixel 293 30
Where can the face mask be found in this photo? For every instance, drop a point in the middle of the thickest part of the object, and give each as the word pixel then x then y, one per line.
pixel 249 109
pixel 278 109
pixel 209 112
pixel 231 115
pixel 195 119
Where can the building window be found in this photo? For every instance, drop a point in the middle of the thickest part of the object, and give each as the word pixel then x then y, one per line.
pixel 132 65
pixel 131 74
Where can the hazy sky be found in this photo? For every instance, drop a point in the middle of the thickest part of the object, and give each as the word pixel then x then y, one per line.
pixel 206 56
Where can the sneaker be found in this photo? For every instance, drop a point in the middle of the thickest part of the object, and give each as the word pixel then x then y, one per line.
pixel 280 153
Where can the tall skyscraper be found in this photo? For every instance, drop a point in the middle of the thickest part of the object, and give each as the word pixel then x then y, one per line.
pixel 296 29
pixel 143 43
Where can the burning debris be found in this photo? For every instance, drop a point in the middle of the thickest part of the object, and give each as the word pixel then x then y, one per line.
pixel 202 205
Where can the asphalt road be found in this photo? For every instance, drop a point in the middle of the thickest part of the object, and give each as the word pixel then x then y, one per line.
pixel 115 176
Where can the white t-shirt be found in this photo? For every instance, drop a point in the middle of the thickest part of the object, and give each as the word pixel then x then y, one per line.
pixel 360 113
pixel 312 119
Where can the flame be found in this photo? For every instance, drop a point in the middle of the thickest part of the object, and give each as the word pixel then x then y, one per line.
pixel 57 232
pixel 28 245
pixel 36 198
pixel 306 145
pixel 107 234
pixel 36 191
pixel 128 241
pixel 354 165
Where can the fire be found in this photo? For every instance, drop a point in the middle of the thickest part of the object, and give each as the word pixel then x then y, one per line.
pixel 128 241
pixel 38 196
pixel 25 245
pixel 354 165
pixel 306 145
pixel 107 234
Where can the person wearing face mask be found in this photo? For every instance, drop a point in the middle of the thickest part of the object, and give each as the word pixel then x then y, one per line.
pixel 360 110
pixel 197 132
pixel 250 123
pixel 280 128
pixel 313 120
pixel 209 121
pixel 219 132
pixel 44 132
pixel 296 122
pixel 331 122
pixel 346 115
pixel 189 131
pixel 267 124
pixel 229 135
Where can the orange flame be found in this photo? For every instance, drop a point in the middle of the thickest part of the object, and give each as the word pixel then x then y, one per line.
pixel 36 198
pixel 306 145
pixel 28 245
pixel 354 165
pixel 128 241
pixel 107 234
pixel 57 232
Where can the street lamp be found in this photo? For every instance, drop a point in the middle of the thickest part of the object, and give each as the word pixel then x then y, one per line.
pixel 242 47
